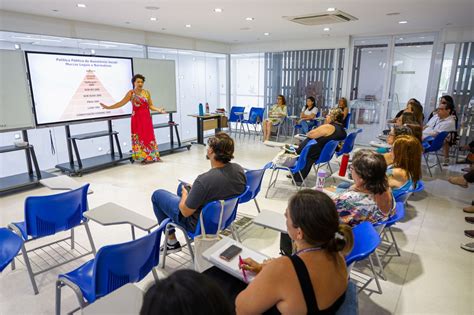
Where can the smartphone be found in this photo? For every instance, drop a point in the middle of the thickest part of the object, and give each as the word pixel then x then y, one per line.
pixel 230 252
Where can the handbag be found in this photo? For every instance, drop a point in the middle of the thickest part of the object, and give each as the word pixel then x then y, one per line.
pixel 283 158
pixel 206 241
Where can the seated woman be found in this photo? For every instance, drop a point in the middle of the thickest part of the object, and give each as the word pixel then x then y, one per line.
pixel 413 106
pixel 395 132
pixel 276 114
pixel 186 292
pixel 405 171
pixel 314 279
pixel 308 114
pixel 406 118
pixel 370 198
pixel 342 105
pixel 331 130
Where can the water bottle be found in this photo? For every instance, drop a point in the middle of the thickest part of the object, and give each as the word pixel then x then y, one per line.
pixel 344 163
pixel 201 110
pixel 321 179
pixel 207 108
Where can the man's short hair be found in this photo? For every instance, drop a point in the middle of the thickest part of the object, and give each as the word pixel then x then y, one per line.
pixel 223 147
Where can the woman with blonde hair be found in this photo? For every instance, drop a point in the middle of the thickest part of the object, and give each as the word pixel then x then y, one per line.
pixel 405 171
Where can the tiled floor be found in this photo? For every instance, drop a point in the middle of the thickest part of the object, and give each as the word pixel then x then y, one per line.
pixel 433 275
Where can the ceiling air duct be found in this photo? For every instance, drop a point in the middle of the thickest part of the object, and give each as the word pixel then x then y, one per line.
pixel 322 18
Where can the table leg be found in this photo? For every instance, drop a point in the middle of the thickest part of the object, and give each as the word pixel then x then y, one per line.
pixel 200 132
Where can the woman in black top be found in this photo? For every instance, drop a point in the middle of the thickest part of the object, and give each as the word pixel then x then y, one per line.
pixel 333 129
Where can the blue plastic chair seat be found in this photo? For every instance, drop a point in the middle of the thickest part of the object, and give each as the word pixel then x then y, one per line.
pixel 10 245
pixel 83 278
pixel 22 227
pixel 366 241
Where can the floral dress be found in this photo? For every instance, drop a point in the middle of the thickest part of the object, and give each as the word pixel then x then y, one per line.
pixel 275 112
pixel 144 146
pixel 356 207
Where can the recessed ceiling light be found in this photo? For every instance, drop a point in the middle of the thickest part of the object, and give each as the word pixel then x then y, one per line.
pixel 81 5
pixel 326 29
pixel 418 46
pixel 422 37
pixel 331 9
pixel 266 34
pixel 401 38
pixel 92 51
pixel 17 46
pixel 249 19
pixel 218 10
pixel 370 51
pixel 402 22
pixel 152 8
pixel 153 19
pixel 188 25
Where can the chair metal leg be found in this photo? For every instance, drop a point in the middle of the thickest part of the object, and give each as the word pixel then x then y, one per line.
pixel 30 270
pixel 428 164
pixel 89 235
pixel 256 204
pixel 235 233
pixel 59 285
pixel 72 238
pixel 379 262
pixel 155 274
pixel 13 266
pixel 270 183
pixel 375 274
pixel 394 242
pixel 165 248
pixel 439 163
pixel 80 297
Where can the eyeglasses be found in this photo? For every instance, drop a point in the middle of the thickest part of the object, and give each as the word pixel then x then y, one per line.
pixel 442 108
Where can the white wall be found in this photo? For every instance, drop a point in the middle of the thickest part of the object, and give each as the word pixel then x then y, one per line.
pixel 299 44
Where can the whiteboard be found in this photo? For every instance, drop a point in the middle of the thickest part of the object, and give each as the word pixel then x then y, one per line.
pixel 15 102
pixel 160 80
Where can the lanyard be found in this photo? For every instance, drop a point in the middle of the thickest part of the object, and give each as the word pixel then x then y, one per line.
pixel 306 250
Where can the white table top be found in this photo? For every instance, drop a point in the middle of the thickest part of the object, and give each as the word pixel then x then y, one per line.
pixel 111 214
pixel 125 300
pixel 343 178
pixel 380 144
pixel 274 144
pixel 63 182
pixel 272 220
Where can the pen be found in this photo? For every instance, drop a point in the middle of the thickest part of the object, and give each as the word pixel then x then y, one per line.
pixel 241 262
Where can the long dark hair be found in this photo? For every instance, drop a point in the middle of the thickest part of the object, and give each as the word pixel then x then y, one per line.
pixel 315 214
pixel 312 100
pixel 186 292
pixel 283 99
pixel 371 168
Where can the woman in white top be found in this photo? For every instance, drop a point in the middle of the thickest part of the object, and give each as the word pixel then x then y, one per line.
pixel 308 114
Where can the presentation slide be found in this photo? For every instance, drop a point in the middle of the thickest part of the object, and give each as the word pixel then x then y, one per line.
pixel 68 88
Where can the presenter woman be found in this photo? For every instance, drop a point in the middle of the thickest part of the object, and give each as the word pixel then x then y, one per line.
pixel 144 146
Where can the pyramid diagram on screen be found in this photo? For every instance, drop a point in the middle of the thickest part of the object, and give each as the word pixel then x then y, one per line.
pixel 84 103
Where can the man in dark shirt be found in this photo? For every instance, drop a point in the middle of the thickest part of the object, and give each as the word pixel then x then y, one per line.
pixel 223 181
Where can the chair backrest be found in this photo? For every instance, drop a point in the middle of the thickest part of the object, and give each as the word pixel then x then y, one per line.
pixel 119 264
pixel 347 121
pixel 420 186
pixel 366 240
pixel 348 145
pixel 47 215
pixel 437 142
pixel 233 117
pixel 256 115
pixel 212 211
pixel 254 181
pixel 301 161
pixel 10 245
pixel 328 152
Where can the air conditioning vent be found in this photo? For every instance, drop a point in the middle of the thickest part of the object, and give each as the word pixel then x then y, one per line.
pixel 322 18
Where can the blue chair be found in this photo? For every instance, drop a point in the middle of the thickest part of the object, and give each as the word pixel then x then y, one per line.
pixel 347 121
pixel 434 147
pixel 349 142
pixel 10 245
pixel 396 217
pixel 299 165
pixel 48 215
pixel 113 267
pixel 216 216
pixel 255 119
pixel 326 155
pixel 366 241
pixel 420 186
pixel 235 118
pixel 254 181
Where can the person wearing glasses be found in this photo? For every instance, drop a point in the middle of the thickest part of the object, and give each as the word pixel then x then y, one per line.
pixel 276 114
pixel 223 181
pixel 443 120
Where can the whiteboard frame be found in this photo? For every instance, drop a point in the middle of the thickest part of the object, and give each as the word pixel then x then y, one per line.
pixel 76 121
